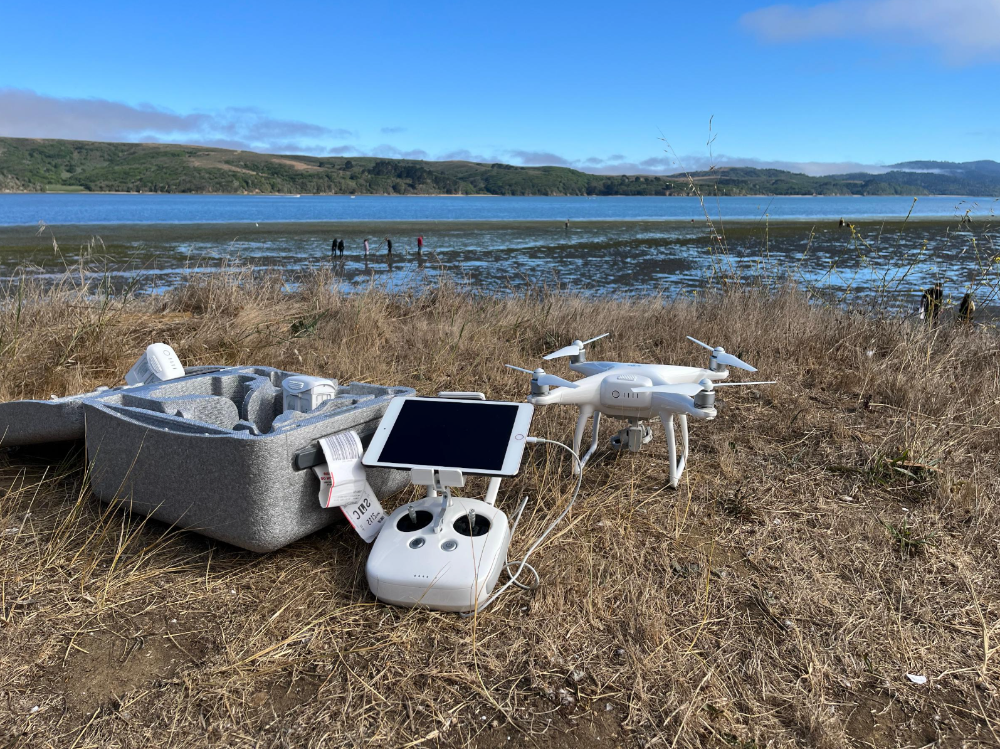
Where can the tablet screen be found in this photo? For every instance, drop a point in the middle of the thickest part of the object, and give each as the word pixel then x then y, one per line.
pixel 472 436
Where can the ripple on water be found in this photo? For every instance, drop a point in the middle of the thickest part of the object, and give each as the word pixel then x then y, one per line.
pixel 625 258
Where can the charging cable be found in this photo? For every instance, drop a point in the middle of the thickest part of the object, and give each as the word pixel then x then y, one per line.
pixel 522 564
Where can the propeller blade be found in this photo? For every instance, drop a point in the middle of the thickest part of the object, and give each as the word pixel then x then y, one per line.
pixel 550 379
pixel 519 369
pixel 740 384
pixel 596 338
pixel 724 358
pixel 683 388
pixel 729 360
pixel 571 350
pixel 710 348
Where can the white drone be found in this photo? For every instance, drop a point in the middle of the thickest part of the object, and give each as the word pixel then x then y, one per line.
pixel 635 392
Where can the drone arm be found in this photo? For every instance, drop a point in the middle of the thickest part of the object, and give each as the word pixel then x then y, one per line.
pixel 668 404
pixel 551 397
pixel 584 393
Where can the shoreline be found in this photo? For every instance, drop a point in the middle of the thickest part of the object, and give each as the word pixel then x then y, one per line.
pixel 468 195
pixel 305 226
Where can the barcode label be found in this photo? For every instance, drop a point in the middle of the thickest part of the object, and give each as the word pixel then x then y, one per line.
pixel 342 446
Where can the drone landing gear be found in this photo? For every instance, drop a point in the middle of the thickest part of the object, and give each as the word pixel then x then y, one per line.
pixel 676 466
pixel 633 437
pixel 581 424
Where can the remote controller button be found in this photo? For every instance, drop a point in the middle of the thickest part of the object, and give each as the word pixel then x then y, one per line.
pixel 450 545
pixel 416 543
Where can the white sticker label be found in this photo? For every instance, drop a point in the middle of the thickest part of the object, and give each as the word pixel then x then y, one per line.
pixel 343 484
pixel 341 446
pixel 365 516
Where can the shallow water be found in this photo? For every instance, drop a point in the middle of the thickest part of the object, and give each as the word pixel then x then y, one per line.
pixel 66 209
pixel 619 258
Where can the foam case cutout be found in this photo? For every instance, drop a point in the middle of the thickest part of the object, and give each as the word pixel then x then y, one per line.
pixel 211 452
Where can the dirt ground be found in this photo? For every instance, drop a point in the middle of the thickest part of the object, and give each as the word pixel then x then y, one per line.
pixel 826 575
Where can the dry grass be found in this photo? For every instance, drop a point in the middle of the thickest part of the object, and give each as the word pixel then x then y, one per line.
pixel 778 598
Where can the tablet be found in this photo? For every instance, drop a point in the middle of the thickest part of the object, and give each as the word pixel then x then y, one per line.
pixel 475 437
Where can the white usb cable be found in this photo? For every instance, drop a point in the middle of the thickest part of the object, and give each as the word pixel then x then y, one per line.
pixel 522 564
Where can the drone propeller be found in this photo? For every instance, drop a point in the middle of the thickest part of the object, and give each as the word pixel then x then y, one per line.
pixel 574 349
pixel 741 384
pixel 542 378
pixel 719 354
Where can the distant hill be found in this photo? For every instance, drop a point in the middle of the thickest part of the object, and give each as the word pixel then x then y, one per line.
pixel 912 178
pixel 980 178
pixel 60 165
pixel 963 169
pixel 33 165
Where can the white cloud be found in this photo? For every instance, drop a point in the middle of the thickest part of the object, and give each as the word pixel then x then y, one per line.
pixel 28 114
pixel 539 158
pixel 812 168
pixel 464 154
pixel 964 31
pixel 667 165
pixel 386 151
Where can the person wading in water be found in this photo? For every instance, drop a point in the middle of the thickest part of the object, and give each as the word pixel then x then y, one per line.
pixel 966 308
pixel 930 303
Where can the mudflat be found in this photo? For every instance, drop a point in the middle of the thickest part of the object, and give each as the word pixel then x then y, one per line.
pixel 598 257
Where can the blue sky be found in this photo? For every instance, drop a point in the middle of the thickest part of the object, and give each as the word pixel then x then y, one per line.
pixel 815 87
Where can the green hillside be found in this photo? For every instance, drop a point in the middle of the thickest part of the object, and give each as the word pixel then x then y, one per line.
pixel 33 165
pixel 58 165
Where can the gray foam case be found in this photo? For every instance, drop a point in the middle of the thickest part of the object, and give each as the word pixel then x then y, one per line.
pixel 211 452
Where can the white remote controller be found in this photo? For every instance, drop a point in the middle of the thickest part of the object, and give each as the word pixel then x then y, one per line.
pixel 444 553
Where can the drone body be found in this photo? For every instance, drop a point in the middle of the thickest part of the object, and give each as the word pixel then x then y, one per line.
pixel 635 392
